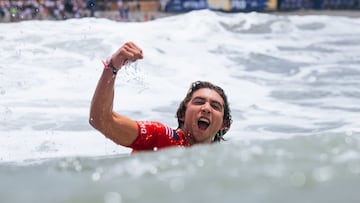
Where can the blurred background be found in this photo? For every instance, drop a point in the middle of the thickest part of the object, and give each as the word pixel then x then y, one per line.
pixel 145 10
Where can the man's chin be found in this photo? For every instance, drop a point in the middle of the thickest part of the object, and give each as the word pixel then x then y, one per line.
pixel 202 138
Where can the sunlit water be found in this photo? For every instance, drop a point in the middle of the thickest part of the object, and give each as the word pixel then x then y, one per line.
pixel 293 83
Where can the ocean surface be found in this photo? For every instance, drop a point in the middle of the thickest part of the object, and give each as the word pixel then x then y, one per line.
pixel 293 84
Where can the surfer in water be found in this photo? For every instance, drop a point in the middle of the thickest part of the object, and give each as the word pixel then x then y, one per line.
pixel 203 116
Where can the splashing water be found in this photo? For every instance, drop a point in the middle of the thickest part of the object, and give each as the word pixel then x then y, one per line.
pixel 131 73
pixel 292 83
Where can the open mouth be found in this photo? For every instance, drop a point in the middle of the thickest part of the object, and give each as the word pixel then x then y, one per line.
pixel 203 123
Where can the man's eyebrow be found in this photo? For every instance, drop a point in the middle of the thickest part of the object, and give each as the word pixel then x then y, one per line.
pixel 199 97
pixel 211 100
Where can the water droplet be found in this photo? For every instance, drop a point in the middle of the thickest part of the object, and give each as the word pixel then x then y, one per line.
pixel 349 140
pixel 323 157
pixel 297 179
pixel 349 132
pixel 200 162
pixel 256 150
pixel 335 150
pixel 78 167
pixel 153 170
pixel 354 168
pixel 112 197
pixel 177 185
pixel 96 176
pixel 63 164
pixel 323 174
pixel 175 162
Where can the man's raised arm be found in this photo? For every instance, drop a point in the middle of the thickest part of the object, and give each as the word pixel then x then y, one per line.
pixel 114 126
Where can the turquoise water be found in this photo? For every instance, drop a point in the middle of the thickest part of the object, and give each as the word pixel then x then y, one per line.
pixel 318 168
pixel 292 82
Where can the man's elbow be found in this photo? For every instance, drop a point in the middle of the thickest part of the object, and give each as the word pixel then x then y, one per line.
pixel 95 123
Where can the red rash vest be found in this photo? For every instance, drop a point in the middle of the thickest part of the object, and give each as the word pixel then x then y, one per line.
pixel 155 135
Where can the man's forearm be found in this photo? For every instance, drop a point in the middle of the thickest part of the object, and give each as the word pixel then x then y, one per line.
pixel 102 101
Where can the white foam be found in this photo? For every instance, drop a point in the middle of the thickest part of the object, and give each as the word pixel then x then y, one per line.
pixel 48 76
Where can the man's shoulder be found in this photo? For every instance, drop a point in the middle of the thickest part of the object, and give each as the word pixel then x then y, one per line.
pixel 145 126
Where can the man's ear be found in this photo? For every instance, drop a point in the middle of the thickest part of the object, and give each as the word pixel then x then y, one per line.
pixel 224 125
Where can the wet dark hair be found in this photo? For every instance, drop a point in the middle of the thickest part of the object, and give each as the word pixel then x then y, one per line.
pixel 180 113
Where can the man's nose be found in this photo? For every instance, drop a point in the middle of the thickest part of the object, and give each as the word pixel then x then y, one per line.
pixel 206 108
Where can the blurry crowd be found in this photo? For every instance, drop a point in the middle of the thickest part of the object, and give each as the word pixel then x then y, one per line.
pixel 15 10
pixel 318 4
pixel 139 10
pixel 18 10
